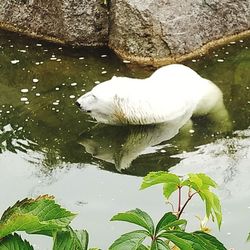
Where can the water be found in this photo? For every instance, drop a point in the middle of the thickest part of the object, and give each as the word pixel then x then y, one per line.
pixel 48 146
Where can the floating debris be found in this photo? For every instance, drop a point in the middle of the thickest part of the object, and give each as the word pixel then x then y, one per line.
pixel 24 90
pixel 14 61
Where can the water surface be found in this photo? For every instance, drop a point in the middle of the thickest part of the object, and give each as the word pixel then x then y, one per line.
pixel 48 146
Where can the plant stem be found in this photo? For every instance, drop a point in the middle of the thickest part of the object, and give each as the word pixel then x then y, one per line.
pixel 179 200
pixel 185 204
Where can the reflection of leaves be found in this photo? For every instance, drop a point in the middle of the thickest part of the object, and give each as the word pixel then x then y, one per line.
pixel 41 216
pixel 14 242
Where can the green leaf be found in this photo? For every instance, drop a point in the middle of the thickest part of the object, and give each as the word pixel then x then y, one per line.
pixel 210 241
pixel 167 221
pixel 170 181
pixel 137 217
pixel 159 245
pixel 178 240
pixel 14 242
pixel 41 215
pixel 74 240
pixel 130 241
pixel 196 241
pixel 202 183
pixel 213 206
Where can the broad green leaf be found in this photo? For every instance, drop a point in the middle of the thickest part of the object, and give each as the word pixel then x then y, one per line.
pixel 159 245
pixel 213 206
pixel 41 215
pixel 14 242
pixel 137 217
pixel 154 178
pixel 178 240
pixel 170 181
pixel 142 247
pixel 168 220
pixel 197 240
pixel 73 240
pixel 130 241
pixel 196 181
pixel 210 241
pixel 206 180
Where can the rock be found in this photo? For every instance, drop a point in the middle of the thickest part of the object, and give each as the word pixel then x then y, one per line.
pixel 75 22
pixel 149 31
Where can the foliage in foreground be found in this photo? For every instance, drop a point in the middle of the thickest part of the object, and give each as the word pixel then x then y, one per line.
pixel 170 230
pixel 43 216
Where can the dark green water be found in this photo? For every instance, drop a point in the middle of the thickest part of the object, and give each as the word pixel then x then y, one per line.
pixel 48 146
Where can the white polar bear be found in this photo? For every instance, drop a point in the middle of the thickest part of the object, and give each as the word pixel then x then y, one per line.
pixel 170 92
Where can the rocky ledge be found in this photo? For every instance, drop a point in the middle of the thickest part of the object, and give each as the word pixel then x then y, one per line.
pixel 150 31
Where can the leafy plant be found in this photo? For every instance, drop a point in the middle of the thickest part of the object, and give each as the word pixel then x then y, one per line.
pixel 170 230
pixel 40 216
pixel 197 184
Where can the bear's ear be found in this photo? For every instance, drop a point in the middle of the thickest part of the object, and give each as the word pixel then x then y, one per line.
pixel 114 77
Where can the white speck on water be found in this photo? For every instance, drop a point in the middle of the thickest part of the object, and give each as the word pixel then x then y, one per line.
pixel 97 82
pixel 81 58
pixel 104 72
pixel 27 102
pixel 53 108
pixel 14 61
pixel 24 90
pixel 58 60
pixel 33 87
pixel 57 88
pixel 45 50
pixel 191 131
pixel 71 96
pixel 163 151
pixel 55 103
pixel 220 60
pixel 216 55
pixel 11 46
pixel 22 50
pixel 73 84
pixel 226 52
pixel 241 41
pixel 39 45
pixel 83 90
pixel 53 59
pixel 104 55
pixel 126 61
pixel 38 94
pixel 7 112
pixel 24 99
pixel 194 60
pixel 232 42
pixel 35 80
pixel 37 63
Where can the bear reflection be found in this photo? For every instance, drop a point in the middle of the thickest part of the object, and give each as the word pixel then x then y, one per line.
pixel 121 145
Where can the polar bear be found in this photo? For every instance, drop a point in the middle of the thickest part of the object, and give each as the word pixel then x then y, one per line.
pixel 170 92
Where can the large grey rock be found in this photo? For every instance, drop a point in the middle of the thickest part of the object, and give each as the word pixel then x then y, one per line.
pixel 154 30
pixel 76 22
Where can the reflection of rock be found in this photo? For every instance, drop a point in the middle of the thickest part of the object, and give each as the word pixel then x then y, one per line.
pixel 226 160
pixel 121 145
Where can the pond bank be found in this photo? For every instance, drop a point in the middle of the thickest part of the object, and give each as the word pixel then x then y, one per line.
pixel 153 32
